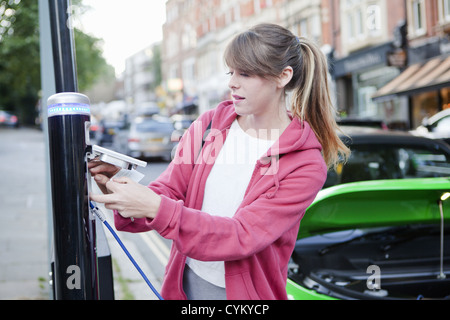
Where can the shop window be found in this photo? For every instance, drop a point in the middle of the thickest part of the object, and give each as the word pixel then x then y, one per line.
pixel 362 22
pixel 417 17
pixel 444 11
pixel 447 9
pixel 354 17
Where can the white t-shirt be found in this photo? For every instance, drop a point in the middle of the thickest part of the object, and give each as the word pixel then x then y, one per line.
pixel 226 186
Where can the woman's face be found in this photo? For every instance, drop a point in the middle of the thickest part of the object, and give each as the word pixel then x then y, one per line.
pixel 253 94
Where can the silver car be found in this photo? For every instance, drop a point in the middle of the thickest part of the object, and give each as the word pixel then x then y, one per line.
pixel 147 137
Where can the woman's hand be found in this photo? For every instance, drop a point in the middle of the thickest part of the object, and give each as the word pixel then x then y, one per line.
pixel 130 198
pixel 102 172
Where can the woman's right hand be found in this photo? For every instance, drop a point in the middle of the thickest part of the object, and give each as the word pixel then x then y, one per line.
pixel 102 172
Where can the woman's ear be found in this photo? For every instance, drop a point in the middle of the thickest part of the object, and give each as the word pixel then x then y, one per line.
pixel 285 77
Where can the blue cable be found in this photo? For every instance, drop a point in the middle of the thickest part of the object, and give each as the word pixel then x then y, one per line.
pixel 100 215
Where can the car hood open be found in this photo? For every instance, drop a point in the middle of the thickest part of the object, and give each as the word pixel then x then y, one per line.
pixel 375 204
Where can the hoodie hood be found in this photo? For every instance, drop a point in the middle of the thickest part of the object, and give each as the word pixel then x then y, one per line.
pixel 298 136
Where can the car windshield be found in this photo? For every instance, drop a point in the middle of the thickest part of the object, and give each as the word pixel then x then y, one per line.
pixel 151 125
pixel 111 124
pixel 377 162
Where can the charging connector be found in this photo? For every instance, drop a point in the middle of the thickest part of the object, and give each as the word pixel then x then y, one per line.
pixel 115 158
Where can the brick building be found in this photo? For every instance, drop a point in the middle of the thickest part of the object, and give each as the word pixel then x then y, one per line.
pixel 196 72
pixel 361 34
pixel 362 38
pixel 424 85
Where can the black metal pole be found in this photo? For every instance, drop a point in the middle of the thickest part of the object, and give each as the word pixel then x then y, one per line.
pixel 75 269
pixel 63 46
pixel 75 261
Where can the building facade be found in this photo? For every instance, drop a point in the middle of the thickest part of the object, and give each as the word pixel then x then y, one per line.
pixel 195 72
pixel 362 35
pixel 369 43
pixel 140 78
pixel 425 83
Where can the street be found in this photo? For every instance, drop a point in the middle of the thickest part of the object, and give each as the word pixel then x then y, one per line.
pixel 24 226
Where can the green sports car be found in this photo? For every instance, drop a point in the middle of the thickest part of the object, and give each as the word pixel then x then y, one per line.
pixel 395 227
pixel 382 232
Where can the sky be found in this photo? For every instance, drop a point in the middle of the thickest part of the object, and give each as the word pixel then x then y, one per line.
pixel 126 26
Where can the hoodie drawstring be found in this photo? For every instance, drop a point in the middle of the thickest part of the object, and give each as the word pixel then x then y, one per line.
pixel 272 169
pixel 277 186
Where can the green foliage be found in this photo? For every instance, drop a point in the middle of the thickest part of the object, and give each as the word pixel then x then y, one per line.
pixel 157 65
pixel 90 63
pixel 20 58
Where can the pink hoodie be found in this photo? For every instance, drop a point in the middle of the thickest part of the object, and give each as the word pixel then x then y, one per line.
pixel 257 242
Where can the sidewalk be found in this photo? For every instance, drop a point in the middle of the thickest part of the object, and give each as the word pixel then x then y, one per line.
pixel 23 217
pixel 24 243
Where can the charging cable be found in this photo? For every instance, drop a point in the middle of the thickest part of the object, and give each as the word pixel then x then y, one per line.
pixel 99 214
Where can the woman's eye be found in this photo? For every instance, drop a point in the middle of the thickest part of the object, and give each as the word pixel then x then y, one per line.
pixel 242 74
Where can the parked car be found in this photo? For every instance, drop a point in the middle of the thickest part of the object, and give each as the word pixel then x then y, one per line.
pixel 383 239
pixel 362 122
pixel 8 119
pixel 435 127
pixel 147 137
pixel 147 109
pixel 107 130
pixel 383 154
pixel 182 122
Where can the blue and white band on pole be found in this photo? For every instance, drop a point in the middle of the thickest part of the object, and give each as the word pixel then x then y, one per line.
pixel 68 109
pixel 68 103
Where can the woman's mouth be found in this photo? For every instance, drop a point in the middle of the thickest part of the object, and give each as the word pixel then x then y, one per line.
pixel 237 98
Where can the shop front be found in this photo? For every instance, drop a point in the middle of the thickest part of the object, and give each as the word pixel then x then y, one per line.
pixel 358 77
pixel 425 83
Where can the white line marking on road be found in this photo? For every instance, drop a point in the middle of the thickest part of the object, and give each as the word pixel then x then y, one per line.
pixel 158 247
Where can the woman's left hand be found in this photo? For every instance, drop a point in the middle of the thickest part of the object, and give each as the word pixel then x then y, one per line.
pixel 129 198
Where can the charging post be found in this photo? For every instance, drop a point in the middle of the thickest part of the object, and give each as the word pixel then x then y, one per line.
pixel 75 264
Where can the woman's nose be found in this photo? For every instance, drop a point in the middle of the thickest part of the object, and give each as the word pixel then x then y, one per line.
pixel 232 84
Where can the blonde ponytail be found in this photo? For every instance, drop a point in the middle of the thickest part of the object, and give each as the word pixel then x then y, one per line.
pixel 312 103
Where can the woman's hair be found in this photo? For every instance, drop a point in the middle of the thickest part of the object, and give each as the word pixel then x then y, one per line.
pixel 265 51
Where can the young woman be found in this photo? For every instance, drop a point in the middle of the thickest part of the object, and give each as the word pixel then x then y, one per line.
pixel 233 205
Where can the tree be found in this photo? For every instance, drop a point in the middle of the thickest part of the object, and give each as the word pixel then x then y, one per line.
pixel 156 66
pixel 20 58
pixel 90 63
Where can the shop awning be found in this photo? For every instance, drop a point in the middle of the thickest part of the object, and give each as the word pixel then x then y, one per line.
pixel 431 75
